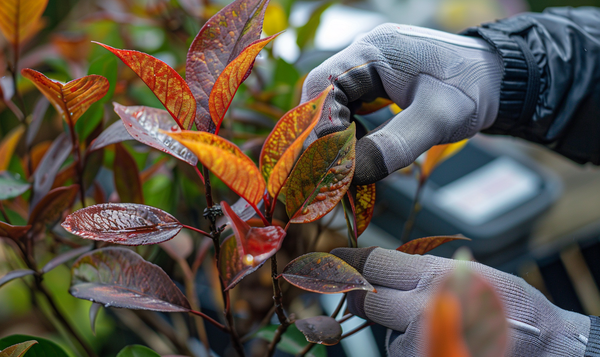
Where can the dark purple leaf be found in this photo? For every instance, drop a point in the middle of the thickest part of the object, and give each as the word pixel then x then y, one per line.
pixel 39 110
pixel 324 273
pixel 119 277
pixel 127 176
pixel 94 310
pixel 12 232
pixel 11 186
pixel 123 223
pixel 222 38
pixel 15 274
pixel 145 125
pixel 65 257
pixel 115 133
pixel 51 207
pixel 324 330
pixel 44 175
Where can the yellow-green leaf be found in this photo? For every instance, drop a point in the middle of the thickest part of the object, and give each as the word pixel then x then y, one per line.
pixel 437 154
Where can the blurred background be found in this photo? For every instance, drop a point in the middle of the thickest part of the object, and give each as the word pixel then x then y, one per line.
pixel 527 210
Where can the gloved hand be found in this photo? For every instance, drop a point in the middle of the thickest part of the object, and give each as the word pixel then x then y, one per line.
pixel 448 86
pixel 405 283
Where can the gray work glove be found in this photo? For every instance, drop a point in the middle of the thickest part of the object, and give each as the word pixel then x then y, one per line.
pixel 405 283
pixel 448 86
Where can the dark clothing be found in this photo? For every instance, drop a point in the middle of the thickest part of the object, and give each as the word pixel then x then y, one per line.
pixel 550 91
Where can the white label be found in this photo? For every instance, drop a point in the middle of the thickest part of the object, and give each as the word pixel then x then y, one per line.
pixel 488 192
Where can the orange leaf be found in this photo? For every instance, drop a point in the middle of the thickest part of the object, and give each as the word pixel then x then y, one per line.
pixel 72 99
pixel 370 107
pixel 437 154
pixel 231 78
pixel 444 327
pixel 164 81
pixel 8 145
pixel 19 19
pixel 226 161
pixel 424 245
pixel 364 204
pixel 283 145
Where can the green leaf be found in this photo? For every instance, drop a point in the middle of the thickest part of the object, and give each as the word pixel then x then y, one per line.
pixel 321 176
pixel 292 341
pixel 12 186
pixel 43 348
pixel 137 351
pixel 306 33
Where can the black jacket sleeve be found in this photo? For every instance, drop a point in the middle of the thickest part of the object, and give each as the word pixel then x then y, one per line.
pixel 550 91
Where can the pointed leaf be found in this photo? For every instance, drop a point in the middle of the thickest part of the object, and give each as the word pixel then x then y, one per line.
pixel 12 186
pixel 44 175
pixel 127 176
pixel 72 99
pixel 65 257
pixel 324 273
pixel 424 245
pixel 227 162
pixel 43 348
pixel 164 81
pixel 8 145
pixel 321 176
pixel 123 223
pixel 465 312
pixel 39 110
pixel 145 125
pixel 12 232
pixel 437 154
pixel 323 330
pixel 94 310
pixel 231 78
pixel 15 274
pixel 17 350
pixel 51 207
pixel 364 204
pixel 19 18
pixel 137 351
pixel 119 277
pixel 371 107
pixel 284 144
pixel 243 209
pixel 292 341
pixel 222 38
pixel 115 133
pixel 248 249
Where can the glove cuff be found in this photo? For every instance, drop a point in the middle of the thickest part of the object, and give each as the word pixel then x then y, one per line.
pixel 521 78
pixel 593 346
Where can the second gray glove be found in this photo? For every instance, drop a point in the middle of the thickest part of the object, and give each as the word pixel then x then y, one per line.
pixel 448 86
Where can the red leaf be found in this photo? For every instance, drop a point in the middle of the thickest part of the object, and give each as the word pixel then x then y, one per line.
pixel 231 78
pixel 424 245
pixel 164 81
pixel 221 39
pixel 12 232
pixel 248 250
pixel 127 176
pixel 123 223
pixel 51 207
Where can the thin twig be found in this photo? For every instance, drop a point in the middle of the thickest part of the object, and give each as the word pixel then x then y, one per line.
pixel 264 322
pixel 359 328
pixel 339 307
pixel 197 230
pixel 209 319
pixel 412 217
pixel 306 349
pixel 345 318
pixel 76 157
pixel 278 333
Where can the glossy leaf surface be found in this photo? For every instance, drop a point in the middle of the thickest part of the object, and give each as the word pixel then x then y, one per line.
pixel 46 172
pixel 248 249
pixel 8 145
pixel 424 245
pixel 227 162
pixel 231 78
pixel 12 232
pixel 51 207
pixel 65 257
pixel 43 347
pixel 323 330
pixel 292 341
pixel 121 278
pixel 115 133
pixel 465 312
pixel 137 351
pixel 72 99
pixel 284 144
pixel 164 81
pixel 324 273
pixel 123 223
pixel 127 176
pixel 145 125
pixel 321 176
pixel 437 154
pixel 11 186
pixel 222 38
pixel 364 205
pixel 19 19
pixel 17 350
pixel 15 274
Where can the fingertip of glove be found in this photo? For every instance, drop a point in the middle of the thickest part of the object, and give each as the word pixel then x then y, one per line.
pixel 356 257
pixel 370 166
